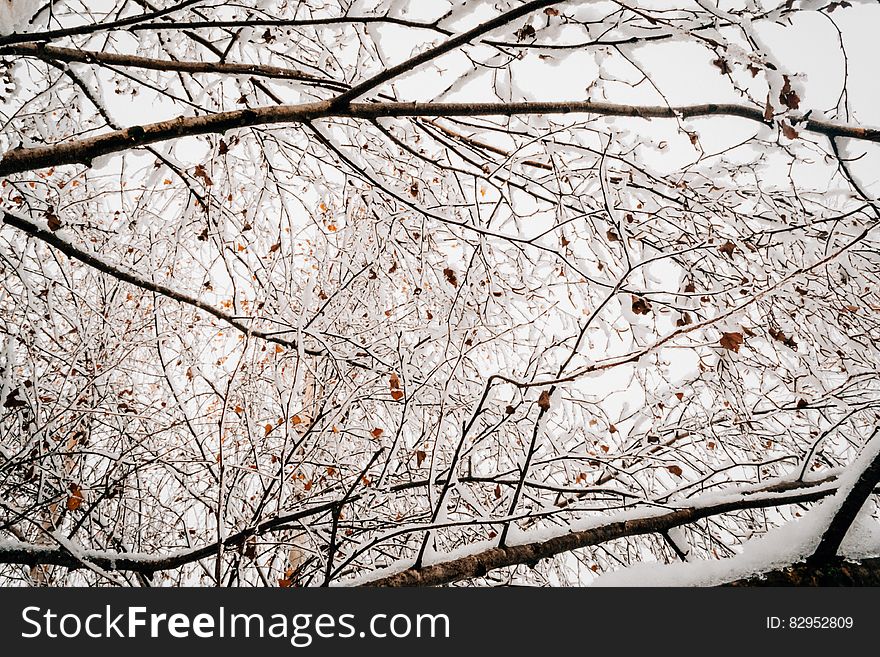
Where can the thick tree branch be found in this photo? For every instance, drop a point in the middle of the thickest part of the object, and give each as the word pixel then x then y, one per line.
pixel 846 514
pixel 479 564
pixel 835 572
pixel 777 494
pixel 84 151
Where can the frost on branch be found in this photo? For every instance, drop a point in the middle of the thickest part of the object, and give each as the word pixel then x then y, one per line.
pixel 518 293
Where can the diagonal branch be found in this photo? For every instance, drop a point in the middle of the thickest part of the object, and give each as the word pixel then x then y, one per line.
pixel 123 274
pixel 432 53
pixel 849 509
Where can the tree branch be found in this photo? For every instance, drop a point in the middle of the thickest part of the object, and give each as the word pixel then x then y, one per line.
pixel 846 514
pixel 479 564
pixel 54 53
pixel 778 494
pixel 84 151
pixel 123 274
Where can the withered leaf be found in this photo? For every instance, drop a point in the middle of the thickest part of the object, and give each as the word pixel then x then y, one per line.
pixel 727 248
pixel 200 172
pixel 674 469
pixel 731 341
pixel 450 277
pixel 52 220
pixel 525 32
pixel 788 130
pixel 788 96
pixel 768 110
pixel 420 457
pixel 75 499
pixel 787 340
pixel 722 65
pixel 544 400
pixel 640 306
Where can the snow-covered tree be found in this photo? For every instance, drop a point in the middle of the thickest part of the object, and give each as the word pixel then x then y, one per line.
pixel 375 291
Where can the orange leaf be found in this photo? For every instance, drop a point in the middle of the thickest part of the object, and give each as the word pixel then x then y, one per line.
pixel 296 419
pixel 376 432
pixel 394 382
pixel 268 429
pixel 75 499
pixel 397 395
